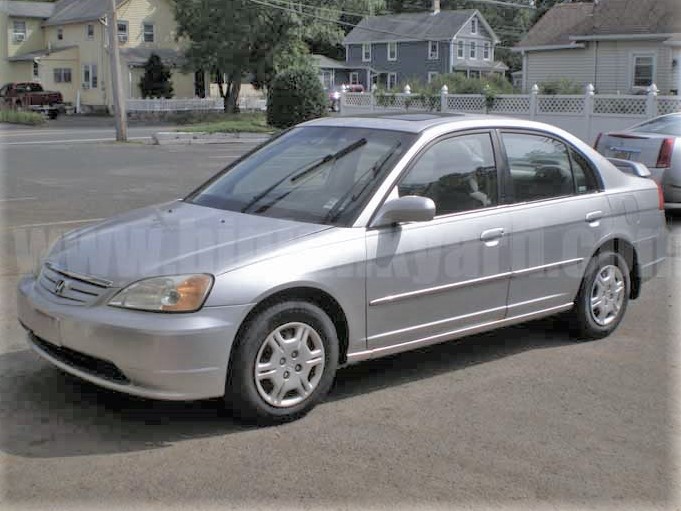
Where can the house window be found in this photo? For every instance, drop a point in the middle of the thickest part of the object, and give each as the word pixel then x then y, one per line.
pixel 354 78
pixel 148 32
pixel 90 76
pixel 473 73
pixel 122 32
pixel 89 31
pixel 644 70
pixel 391 82
pixel 392 51
pixel 474 50
pixel 460 49
pixel 19 31
pixel 36 70
pixel 432 75
pixel 60 34
pixel 62 75
pixel 433 50
pixel 366 52
pixel 474 26
pixel 486 51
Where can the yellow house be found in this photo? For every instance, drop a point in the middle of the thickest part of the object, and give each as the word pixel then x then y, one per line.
pixel 64 46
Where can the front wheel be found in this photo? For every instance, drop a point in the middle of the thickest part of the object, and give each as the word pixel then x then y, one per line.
pixel 284 363
pixel 603 297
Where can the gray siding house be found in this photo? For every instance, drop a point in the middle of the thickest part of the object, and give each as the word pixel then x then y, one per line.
pixel 619 46
pixel 397 48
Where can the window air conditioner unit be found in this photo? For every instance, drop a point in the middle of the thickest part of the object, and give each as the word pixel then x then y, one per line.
pixel 19 38
pixel 85 85
pixel 122 39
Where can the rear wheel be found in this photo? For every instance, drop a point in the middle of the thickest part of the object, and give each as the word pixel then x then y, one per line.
pixel 603 297
pixel 283 364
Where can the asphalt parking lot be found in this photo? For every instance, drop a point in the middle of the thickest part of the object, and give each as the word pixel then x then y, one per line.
pixel 520 418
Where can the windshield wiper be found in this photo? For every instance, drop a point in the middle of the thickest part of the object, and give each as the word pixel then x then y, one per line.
pixel 374 170
pixel 299 173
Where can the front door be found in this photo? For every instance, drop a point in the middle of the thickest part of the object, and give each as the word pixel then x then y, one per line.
pixel 428 281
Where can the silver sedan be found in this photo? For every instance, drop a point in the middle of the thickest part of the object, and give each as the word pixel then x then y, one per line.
pixel 342 240
pixel 655 143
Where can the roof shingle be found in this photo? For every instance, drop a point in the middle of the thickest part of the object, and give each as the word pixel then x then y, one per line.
pixel 564 22
pixel 27 9
pixel 421 26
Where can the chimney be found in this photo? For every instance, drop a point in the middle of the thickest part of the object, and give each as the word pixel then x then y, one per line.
pixel 436 6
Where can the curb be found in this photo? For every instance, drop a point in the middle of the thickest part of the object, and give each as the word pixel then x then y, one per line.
pixel 181 137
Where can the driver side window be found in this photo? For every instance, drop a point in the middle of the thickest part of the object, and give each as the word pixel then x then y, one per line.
pixel 459 174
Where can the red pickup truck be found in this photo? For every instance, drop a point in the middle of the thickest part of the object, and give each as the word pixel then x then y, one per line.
pixel 31 96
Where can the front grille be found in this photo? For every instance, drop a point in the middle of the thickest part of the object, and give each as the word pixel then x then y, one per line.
pixel 93 365
pixel 69 287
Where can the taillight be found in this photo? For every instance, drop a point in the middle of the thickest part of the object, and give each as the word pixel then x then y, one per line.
pixel 660 196
pixel 598 139
pixel 664 159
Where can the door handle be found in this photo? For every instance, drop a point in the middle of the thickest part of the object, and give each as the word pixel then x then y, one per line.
pixel 492 234
pixel 594 217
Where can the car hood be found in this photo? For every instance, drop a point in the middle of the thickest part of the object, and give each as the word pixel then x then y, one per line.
pixel 172 239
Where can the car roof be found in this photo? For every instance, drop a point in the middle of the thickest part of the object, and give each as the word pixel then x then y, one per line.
pixel 415 122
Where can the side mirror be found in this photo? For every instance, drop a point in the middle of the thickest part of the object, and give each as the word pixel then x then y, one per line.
pixel 410 208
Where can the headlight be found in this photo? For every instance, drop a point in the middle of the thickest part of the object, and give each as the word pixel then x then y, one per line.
pixel 178 293
pixel 336 95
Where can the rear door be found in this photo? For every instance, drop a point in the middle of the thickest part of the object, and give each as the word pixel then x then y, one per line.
pixel 558 216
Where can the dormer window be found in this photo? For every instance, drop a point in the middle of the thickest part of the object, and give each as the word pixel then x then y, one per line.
pixel 474 26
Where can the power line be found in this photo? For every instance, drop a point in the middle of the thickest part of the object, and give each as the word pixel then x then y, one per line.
pixel 347 24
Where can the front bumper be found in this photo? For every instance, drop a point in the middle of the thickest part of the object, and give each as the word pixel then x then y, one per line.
pixel 151 355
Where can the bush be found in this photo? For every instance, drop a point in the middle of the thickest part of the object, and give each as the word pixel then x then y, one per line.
pixel 21 117
pixel 560 86
pixel 155 82
pixel 295 95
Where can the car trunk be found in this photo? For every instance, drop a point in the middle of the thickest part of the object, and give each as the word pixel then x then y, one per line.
pixel 641 147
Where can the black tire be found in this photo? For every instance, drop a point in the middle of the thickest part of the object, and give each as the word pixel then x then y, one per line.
pixel 53 114
pixel 583 323
pixel 242 393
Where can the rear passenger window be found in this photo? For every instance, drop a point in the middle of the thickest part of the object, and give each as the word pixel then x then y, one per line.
pixel 539 166
pixel 459 174
pixel 585 180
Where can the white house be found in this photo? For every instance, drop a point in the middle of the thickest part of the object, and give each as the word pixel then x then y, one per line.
pixel 620 46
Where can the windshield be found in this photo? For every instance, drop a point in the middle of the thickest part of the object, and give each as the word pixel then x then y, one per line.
pixel 317 174
pixel 667 125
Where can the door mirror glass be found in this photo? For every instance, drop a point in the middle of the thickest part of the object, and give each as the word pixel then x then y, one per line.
pixel 410 208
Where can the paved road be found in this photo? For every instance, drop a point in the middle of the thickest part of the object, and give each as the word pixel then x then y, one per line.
pixel 522 418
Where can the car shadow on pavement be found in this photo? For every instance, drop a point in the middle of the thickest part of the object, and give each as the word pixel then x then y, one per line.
pixel 46 413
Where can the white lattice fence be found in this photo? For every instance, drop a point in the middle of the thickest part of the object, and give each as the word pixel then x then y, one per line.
pixel 668 105
pixel 564 104
pixel 514 104
pixel 473 103
pixel 620 105
pixel 174 105
pixel 357 100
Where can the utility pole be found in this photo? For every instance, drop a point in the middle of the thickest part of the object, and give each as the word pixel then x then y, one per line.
pixel 116 78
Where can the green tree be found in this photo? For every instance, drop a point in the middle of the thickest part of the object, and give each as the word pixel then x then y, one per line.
pixel 155 82
pixel 295 96
pixel 244 38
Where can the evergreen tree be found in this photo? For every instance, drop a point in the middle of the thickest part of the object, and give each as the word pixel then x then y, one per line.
pixel 156 80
